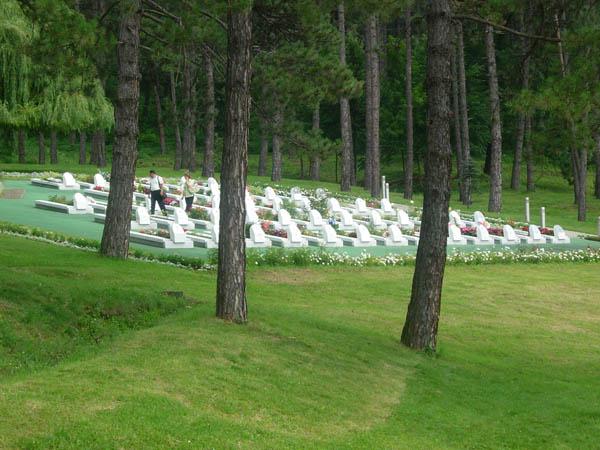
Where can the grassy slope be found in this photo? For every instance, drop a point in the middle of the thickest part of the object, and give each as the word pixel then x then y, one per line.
pixel 552 192
pixel 319 364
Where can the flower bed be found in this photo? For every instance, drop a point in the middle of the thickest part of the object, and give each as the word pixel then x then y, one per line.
pixel 468 231
pixel 270 229
pixel 544 230
pixel 199 214
pixel 155 232
pixel 60 199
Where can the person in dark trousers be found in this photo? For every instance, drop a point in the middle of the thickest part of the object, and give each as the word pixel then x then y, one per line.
pixel 157 192
pixel 188 189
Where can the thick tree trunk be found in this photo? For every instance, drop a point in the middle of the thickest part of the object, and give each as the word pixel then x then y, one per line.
pixel 115 237
pixel 189 112
pixel 465 182
pixel 529 154
pixel 315 159
pixel 420 328
pixel 231 275
pixel 372 164
pixel 98 151
pixel 458 147
pixel 159 116
pixel 175 114
pixel 409 164
pixel 515 181
pixel 208 164
pixel 21 146
pixel 41 148
pixel 345 118
pixel 597 181
pixel 264 148
pixel 276 170
pixel 82 147
pixel 495 200
pixel 53 147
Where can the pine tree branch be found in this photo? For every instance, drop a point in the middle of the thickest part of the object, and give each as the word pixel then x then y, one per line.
pixel 507 29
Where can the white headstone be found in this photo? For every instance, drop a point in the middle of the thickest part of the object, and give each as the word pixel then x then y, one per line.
pixel 454 233
pixel 386 206
pixel 333 205
pixel 362 234
pixel 478 217
pixel 403 218
pixel 296 194
pixel 80 202
pixel 69 179
pixel 176 233
pixel 214 233
pixel 329 234
pixel 214 216
pixel 213 186
pixel 181 218
pixel 455 219
pixel 320 193
pixel 284 218
pixel 99 180
pixel 509 233
pixel 376 219
pixel 257 235
pixel 148 204
pixel 141 216
pixel 559 233
pixel 482 233
pixel 534 233
pixel 395 234
pixel 216 200
pixel 316 220
pixel 270 193
pixel 294 235
pixel 347 220
pixel 277 203
pixel 360 205
pixel 251 216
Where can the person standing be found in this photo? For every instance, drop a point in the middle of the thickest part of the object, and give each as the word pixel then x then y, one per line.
pixel 157 192
pixel 188 190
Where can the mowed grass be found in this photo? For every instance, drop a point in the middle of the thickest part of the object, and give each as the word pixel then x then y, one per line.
pixel 319 364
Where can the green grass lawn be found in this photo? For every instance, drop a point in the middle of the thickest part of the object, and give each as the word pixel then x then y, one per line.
pixel 318 366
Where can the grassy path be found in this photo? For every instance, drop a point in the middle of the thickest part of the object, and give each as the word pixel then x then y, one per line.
pixel 318 366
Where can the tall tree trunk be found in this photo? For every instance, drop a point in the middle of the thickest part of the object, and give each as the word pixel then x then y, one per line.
pixel 515 181
pixel 21 146
pixel 94 149
pixel 208 164
pixel 72 138
pixel 315 159
pixel 581 158
pixel 597 181
pixel 82 147
pixel 159 116
pixel 264 148
pixel 465 182
pixel 495 200
pixel 41 148
pixel 409 164
pixel 372 164
pixel 231 275
pixel 345 118
pixel 53 147
pixel 420 328
pixel 529 154
pixel 98 150
pixel 456 117
pixel 115 237
pixel 175 114
pixel 276 170
pixel 189 111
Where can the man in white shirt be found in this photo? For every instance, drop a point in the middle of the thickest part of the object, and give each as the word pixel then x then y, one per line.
pixel 156 192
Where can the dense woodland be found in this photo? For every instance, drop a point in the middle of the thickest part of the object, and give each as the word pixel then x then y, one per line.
pixel 330 81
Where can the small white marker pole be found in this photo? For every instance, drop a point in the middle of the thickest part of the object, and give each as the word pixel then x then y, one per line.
pixel 387 190
pixel 543 215
pixel 383 186
pixel 598 226
pixel 527 217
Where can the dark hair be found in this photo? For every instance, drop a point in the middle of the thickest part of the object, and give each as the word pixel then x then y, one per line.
pixel 152 171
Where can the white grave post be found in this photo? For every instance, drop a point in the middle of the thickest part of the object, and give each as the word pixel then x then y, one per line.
pixel 387 190
pixel 543 216
pixel 527 216
pixel 383 186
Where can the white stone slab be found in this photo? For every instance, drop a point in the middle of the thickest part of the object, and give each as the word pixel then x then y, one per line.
pixel 454 236
pixel 333 205
pixel 386 206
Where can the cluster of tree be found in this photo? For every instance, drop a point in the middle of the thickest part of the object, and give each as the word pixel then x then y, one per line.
pixel 274 65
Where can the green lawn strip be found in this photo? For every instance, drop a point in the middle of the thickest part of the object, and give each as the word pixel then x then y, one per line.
pixel 319 364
